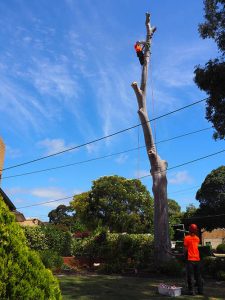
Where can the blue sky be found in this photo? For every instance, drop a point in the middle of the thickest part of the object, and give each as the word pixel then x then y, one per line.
pixel 66 69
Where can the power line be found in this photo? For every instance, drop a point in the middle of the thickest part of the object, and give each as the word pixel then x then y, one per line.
pixel 203 217
pixel 37 204
pixel 191 218
pixel 186 163
pixel 102 138
pixel 184 190
pixel 41 203
pixel 101 157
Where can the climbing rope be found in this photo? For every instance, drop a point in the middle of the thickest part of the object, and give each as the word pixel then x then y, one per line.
pixel 138 154
pixel 153 101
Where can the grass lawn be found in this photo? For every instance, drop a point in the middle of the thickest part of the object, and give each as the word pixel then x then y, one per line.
pixel 117 287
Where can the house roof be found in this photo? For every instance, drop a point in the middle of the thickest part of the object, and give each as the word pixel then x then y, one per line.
pixel 19 216
pixel 7 201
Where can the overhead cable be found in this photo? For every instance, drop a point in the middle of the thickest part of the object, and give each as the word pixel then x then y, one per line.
pixel 41 203
pixel 195 160
pixel 186 163
pixel 102 138
pixel 101 157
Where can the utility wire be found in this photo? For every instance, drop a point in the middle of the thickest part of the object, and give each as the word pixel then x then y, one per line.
pixel 191 218
pixel 102 157
pixel 203 217
pixel 139 178
pixel 186 163
pixel 37 204
pixel 184 190
pixel 102 138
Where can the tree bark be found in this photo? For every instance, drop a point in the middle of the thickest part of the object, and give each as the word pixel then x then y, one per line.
pixel 158 166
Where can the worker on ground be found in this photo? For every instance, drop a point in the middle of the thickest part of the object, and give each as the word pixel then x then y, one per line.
pixel 139 48
pixel 191 243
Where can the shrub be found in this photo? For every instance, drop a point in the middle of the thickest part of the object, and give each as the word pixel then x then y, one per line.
pixel 213 266
pixel 205 251
pixel 220 248
pixel 36 238
pixel 51 259
pixel 117 251
pixel 220 275
pixel 22 274
pixel 58 240
pixel 49 238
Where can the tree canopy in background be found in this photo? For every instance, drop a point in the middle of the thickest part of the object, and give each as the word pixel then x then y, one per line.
pixel 117 203
pixel 211 197
pixel 61 215
pixel 65 218
pixel 211 77
pixel 175 215
pixel 174 211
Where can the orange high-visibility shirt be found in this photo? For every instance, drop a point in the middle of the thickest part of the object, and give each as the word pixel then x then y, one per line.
pixel 191 243
pixel 138 47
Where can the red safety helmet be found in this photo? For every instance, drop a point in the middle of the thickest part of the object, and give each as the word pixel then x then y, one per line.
pixel 193 228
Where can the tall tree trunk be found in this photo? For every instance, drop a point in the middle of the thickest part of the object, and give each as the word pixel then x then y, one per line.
pixel 158 166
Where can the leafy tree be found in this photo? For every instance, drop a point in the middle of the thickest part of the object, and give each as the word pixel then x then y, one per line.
pixel 189 216
pixel 211 77
pixel 22 274
pixel 190 211
pixel 211 196
pixel 65 218
pixel 175 215
pixel 117 203
pixel 174 211
pixel 61 215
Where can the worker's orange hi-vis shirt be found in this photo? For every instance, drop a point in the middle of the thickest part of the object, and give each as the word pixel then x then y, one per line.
pixel 191 243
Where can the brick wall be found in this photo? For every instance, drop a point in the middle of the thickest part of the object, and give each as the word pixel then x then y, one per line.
pixel 215 237
pixel 2 154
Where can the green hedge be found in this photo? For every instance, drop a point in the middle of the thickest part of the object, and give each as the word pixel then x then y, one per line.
pixel 205 251
pixel 51 259
pixel 220 248
pixel 214 267
pixel 117 251
pixel 22 274
pixel 49 238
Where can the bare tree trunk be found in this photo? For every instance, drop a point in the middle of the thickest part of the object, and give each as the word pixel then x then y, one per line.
pixel 158 166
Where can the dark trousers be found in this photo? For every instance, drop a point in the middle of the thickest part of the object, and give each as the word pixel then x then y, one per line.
pixel 194 272
pixel 140 55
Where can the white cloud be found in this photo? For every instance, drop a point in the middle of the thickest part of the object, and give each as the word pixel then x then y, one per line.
pixel 141 173
pixel 53 79
pixel 77 192
pixel 92 148
pixel 180 177
pixel 19 106
pixel 49 192
pixel 121 159
pixel 18 200
pixel 57 203
pixel 52 146
pixel 12 152
pixel 15 191
pixel 43 194
pixel 115 108
pixel 176 68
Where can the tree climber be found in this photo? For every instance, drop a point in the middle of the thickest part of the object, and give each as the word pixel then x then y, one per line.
pixel 139 48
